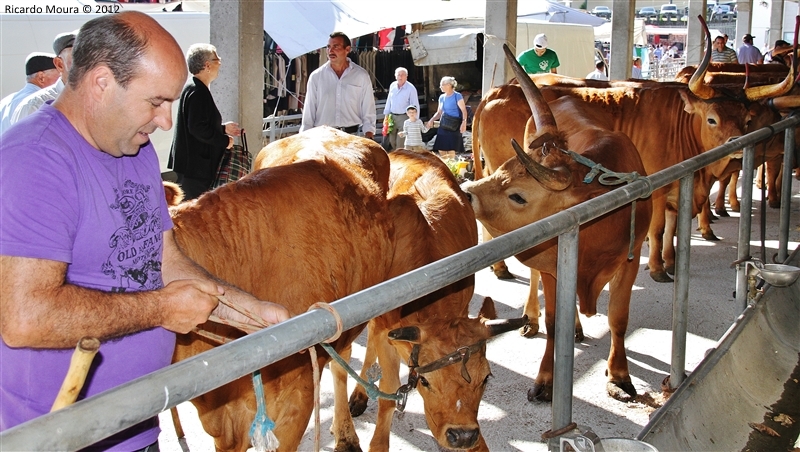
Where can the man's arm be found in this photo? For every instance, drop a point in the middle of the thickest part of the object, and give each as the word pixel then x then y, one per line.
pixel 177 266
pixel 309 105
pixel 39 309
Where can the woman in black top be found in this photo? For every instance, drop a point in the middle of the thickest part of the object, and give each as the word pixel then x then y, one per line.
pixel 200 136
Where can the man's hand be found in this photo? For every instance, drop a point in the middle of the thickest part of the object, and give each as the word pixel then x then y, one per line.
pixel 270 313
pixel 187 303
pixel 369 135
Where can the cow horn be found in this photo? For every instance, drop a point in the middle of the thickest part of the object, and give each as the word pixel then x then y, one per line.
pixel 697 83
pixel 784 103
pixel 552 179
pixel 406 334
pixel 778 89
pixel 542 116
pixel 501 326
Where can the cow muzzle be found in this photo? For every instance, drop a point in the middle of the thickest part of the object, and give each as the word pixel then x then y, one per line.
pixel 459 438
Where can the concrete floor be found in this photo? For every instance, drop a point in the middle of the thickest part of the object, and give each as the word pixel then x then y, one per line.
pixel 508 421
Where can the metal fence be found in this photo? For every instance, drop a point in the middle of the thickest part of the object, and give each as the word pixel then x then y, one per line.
pixel 98 417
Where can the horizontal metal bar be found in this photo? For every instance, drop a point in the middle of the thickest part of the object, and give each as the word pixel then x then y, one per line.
pixel 114 410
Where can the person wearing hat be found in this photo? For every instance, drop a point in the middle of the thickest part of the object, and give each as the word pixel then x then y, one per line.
pixel 539 59
pixel 748 53
pixel 599 72
pixel 40 72
pixel 62 46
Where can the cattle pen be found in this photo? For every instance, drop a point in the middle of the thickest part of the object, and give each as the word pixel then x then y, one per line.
pixel 88 421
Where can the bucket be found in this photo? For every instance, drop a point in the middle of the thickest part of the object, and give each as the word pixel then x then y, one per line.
pixel 626 445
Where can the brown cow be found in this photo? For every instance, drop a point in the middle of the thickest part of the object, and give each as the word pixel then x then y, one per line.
pixel 422 190
pixel 542 181
pixel 329 216
pixel 434 220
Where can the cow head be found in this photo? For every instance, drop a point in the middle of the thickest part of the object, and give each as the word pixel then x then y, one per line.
pixel 448 366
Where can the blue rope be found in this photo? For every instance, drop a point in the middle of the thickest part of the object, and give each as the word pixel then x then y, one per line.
pixel 609 178
pixel 262 424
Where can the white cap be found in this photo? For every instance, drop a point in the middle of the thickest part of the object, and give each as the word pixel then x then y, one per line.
pixel 540 41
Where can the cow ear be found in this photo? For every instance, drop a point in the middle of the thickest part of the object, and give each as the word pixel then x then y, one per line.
pixel 688 101
pixel 501 326
pixel 407 334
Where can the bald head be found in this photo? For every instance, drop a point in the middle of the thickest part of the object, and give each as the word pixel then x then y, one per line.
pixel 121 42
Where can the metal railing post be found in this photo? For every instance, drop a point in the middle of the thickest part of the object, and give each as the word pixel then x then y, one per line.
pixel 743 248
pixel 786 194
pixel 680 294
pixel 564 354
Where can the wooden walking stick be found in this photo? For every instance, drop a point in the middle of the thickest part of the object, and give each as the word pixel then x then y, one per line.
pixel 76 374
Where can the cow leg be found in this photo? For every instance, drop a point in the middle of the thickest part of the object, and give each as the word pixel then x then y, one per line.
pixel 619 384
pixel 531 308
pixel 655 236
pixel 719 203
pixel 290 400
pixel 774 179
pixel 342 427
pixel 389 360
pixel 733 197
pixel 500 269
pixel 542 390
pixel 359 398
pixel 704 223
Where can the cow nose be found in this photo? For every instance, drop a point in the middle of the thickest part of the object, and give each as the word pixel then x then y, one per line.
pixel 462 438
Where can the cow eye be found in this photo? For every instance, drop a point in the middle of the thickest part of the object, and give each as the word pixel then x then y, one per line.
pixel 423 381
pixel 712 121
pixel 517 199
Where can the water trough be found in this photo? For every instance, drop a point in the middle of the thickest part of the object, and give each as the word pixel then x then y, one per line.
pixel 749 381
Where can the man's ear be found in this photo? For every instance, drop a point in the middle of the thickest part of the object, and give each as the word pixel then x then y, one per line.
pixel 100 79
pixel 58 62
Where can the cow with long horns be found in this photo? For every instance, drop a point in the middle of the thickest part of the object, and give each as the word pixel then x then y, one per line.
pixel 543 180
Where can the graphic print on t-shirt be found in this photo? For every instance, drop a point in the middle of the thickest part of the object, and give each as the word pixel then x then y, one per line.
pixel 134 261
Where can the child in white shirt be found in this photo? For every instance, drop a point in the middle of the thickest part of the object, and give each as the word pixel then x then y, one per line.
pixel 413 129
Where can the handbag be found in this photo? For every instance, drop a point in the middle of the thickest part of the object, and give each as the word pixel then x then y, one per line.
pixel 235 164
pixel 450 123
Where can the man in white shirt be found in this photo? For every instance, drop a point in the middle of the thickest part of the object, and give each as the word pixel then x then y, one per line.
pixel 599 72
pixel 40 72
pixel 402 94
pixel 62 46
pixel 339 93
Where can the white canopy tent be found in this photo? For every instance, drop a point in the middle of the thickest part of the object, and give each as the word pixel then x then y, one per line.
pixel 300 27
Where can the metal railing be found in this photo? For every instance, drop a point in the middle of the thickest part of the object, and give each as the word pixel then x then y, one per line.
pixel 122 407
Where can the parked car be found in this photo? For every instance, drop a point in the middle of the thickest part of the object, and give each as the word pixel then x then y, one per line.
pixel 602 11
pixel 648 12
pixel 669 10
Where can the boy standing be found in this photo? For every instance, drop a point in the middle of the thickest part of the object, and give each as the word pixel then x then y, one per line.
pixel 413 129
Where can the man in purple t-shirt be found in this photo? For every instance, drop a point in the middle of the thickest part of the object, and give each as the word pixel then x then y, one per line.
pixel 86 245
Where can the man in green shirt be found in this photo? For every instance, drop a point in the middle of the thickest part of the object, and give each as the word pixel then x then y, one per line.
pixel 539 59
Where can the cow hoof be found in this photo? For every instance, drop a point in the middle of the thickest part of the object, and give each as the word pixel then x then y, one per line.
pixel 710 236
pixel 579 337
pixel 735 208
pixel 622 391
pixel 529 330
pixel 670 269
pixel 343 446
pixel 712 218
pixel 661 276
pixel 358 403
pixel 774 204
pixel 540 393
pixel 502 273
pixel 722 212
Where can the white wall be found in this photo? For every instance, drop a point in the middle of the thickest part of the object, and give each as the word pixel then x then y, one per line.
pixel 21 34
